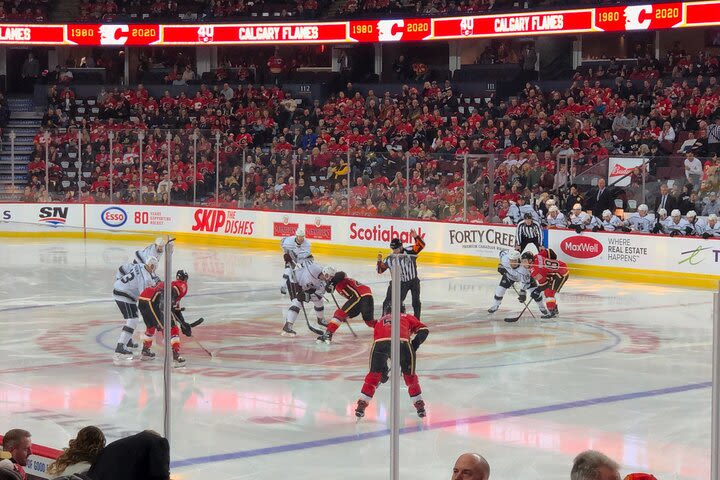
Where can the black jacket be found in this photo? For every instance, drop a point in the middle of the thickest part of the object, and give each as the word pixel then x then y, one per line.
pixel 143 456
pixel 598 202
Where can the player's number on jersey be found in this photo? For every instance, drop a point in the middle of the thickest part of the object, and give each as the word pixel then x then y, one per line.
pixel 128 278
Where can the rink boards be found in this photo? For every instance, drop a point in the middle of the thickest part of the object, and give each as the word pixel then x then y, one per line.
pixel 687 261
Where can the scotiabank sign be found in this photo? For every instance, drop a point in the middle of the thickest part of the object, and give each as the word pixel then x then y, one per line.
pixel 381 233
pixel 617 18
pixel 581 247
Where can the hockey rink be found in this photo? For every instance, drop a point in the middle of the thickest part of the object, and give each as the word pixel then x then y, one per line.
pixel 625 369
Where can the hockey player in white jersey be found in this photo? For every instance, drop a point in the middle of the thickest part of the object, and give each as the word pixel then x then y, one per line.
pixel 578 219
pixel 709 228
pixel 692 220
pixel 126 291
pixel 515 270
pixel 676 225
pixel 641 222
pixel 296 252
pixel 555 218
pixel 610 222
pixel 154 250
pixel 307 285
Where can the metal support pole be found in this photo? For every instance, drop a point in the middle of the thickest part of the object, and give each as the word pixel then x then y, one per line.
pixel 349 178
pixel 111 137
pixel 12 158
pixel 195 139
pixel 465 188
pixel 407 186
pixel 644 170
pixel 79 161
pixel 47 163
pixel 217 169
pixel 244 186
pixel 294 164
pixel 395 372
pixel 491 174
pixel 167 367
pixel 141 137
pixel 715 425
pixel 169 137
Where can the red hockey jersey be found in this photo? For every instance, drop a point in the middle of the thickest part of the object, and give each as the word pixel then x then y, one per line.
pixel 409 326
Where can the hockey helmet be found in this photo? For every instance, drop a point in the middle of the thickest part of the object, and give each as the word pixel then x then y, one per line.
pixel 606 213
pixel 643 208
pixel 152 262
pixel 513 255
pixel 395 243
pixel 329 272
pixel 528 216
pixel 182 275
pixel 300 232
pixel 527 256
pixel 676 213
pixel 662 212
pixel 159 242
pixel 692 213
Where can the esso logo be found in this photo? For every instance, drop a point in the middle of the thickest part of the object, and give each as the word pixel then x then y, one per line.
pixel 581 247
pixel 114 217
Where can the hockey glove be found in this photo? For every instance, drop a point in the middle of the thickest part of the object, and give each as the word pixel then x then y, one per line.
pixel 688 230
pixel 502 270
pixel 675 233
pixel 522 297
pixel 329 287
pixel 625 229
pixel 185 328
pixel 578 229
pixel 596 228
pixel 706 235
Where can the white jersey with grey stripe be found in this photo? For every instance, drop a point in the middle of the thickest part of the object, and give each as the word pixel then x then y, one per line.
pixel 408 264
pixel 141 256
pixel 519 274
pixel 533 231
pixel 128 287
pixel 308 277
pixel 123 270
pixel 300 252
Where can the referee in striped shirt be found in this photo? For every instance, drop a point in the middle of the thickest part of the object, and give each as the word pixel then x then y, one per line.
pixel 528 231
pixel 409 281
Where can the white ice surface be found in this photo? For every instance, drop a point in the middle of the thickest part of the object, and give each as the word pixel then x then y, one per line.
pixel 625 370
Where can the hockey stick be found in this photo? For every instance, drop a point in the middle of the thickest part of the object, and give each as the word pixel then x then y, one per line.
pixel 201 346
pixel 347 320
pixel 515 319
pixel 526 305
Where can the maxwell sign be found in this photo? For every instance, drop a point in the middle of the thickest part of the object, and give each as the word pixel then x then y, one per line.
pixel 581 247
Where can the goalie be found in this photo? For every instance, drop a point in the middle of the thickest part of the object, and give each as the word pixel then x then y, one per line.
pixel 550 274
pixel 296 253
pixel 515 269
pixel 150 305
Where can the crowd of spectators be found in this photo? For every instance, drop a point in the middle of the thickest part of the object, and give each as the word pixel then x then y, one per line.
pixel 147 455
pixel 25 10
pixel 350 152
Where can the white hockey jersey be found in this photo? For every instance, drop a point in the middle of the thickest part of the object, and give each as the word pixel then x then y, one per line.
pixel 703 226
pixel 123 270
pixel 308 277
pixel 558 222
pixel 519 274
pixel 582 219
pixel 611 225
pixel 141 256
pixel 670 226
pixel 127 288
pixel 300 253
pixel 641 224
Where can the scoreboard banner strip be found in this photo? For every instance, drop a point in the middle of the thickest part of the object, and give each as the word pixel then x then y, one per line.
pixel 601 19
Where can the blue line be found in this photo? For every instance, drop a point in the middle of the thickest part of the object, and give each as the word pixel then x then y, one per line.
pixel 291 447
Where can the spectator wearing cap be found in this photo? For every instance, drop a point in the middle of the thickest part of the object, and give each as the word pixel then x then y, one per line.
pixel 641 222
pixel 600 199
pixel 711 205
pixel 709 227
pixel 594 465
pixel 555 218
pixel 19 444
pixel 471 466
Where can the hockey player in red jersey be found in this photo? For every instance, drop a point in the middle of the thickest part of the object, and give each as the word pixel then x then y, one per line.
pixel 359 301
pixel 410 327
pixel 550 274
pixel 150 305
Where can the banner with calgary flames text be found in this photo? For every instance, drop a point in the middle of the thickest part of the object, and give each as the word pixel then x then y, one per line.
pixel 616 18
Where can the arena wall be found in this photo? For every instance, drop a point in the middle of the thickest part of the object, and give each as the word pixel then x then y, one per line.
pixel 686 261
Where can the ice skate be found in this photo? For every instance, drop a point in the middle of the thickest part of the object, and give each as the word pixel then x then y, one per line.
pixel 178 360
pixel 493 309
pixel 420 407
pixel 360 409
pixel 287 330
pixel 147 354
pixel 325 338
pixel 122 355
